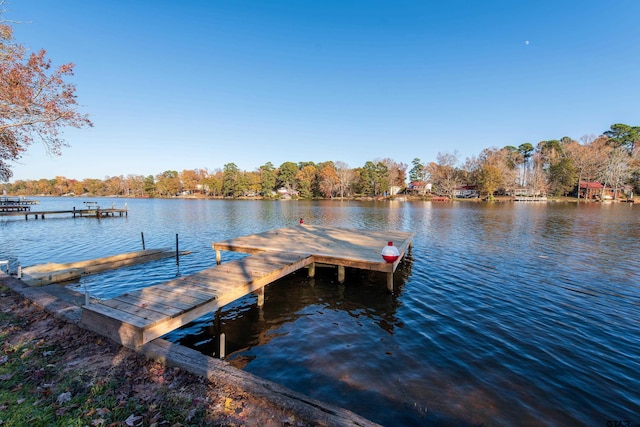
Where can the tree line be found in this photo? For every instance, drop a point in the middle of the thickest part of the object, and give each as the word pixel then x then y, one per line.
pixel 552 167
pixel 296 180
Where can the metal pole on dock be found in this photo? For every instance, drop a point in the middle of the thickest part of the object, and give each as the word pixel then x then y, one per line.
pixel 177 251
pixel 142 235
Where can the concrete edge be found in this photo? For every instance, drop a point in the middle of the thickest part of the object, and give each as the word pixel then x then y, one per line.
pixel 311 410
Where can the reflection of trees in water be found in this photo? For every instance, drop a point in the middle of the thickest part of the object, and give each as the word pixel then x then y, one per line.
pixel 245 325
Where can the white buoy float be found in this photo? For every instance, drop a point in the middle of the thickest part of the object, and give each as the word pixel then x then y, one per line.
pixel 390 253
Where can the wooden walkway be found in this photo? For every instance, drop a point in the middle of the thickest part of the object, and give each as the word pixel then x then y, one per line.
pixel 138 317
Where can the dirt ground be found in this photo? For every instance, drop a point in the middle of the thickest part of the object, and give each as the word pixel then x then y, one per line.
pixel 152 384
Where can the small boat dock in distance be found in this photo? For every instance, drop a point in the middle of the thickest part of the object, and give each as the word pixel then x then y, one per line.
pixel 138 317
pixel 16 204
pixel 91 209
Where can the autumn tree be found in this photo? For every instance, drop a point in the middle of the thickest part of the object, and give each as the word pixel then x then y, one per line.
pixel 168 183
pixel 327 179
pixel 346 177
pixel 306 179
pixel 396 173
pixel 213 183
pixel 444 174
pixel 36 101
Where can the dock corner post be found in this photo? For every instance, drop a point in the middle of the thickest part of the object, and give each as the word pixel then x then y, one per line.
pixel 390 282
pixel 260 293
pixel 218 257
pixel 177 252
pixel 341 273
pixel 74 211
pixel 312 269
pixel 142 235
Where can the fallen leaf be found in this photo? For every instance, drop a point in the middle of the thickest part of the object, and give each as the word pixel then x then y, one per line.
pixel 64 398
pixel 132 420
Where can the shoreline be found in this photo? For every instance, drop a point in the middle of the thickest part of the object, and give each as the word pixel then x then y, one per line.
pixel 260 400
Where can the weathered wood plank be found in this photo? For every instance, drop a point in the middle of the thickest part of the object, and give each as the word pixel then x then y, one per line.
pixel 136 310
pixel 161 328
pixel 179 301
pixel 165 308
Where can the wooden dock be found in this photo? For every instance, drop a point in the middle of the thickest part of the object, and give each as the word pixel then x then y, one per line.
pixel 138 317
pixel 16 204
pixel 89 212
pixel 329 245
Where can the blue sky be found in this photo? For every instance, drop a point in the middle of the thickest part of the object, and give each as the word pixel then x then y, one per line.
pixel 198 84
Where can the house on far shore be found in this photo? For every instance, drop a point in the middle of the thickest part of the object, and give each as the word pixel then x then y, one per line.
pixel 466 192
pixel 288 193
pixel 419 187
pixel 595 190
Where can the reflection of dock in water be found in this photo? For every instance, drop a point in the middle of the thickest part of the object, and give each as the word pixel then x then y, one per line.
pixel 138 317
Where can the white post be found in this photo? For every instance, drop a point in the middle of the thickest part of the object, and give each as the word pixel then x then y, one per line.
pixel 260 293
pixel 222 346
pixel 19 271
pixel 312 269
pixel 341 274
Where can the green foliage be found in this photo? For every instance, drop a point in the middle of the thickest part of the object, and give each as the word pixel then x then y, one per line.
pixel 418 172
pixel 373 179
pixel 287 175
pixel 621 135
pixel 267 179
pixel 563 177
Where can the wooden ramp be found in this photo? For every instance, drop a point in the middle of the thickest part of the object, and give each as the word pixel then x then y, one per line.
pixel 138 317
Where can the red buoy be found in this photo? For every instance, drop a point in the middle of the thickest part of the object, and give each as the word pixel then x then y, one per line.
pixel 390 253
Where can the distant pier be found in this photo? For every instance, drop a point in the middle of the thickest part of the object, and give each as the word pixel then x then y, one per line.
pixel 88 211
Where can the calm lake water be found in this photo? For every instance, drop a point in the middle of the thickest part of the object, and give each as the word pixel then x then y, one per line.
pixel 504 314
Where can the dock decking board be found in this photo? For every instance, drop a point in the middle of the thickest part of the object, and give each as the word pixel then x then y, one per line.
pixel 137 317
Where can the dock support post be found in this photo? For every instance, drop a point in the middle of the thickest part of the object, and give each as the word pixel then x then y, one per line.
pixel 260 293
pixel 223 345
pixel 177 252
pixel 74 211
pixel 19 271
pixel 312 269
pixel 142 235
pixel 218 257
pixel 341 274
pixel 390 282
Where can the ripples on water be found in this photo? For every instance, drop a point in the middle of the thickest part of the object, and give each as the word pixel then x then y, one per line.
pixel 505 314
